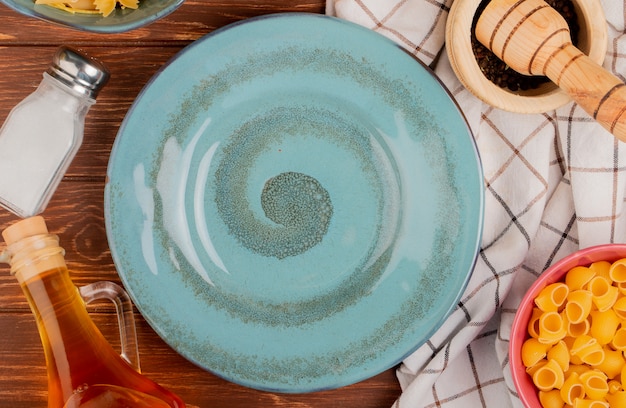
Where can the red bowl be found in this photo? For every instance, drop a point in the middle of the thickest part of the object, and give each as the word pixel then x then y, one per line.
pixel 519 332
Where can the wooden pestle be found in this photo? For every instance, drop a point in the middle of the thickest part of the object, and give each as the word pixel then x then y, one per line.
pixel 534 39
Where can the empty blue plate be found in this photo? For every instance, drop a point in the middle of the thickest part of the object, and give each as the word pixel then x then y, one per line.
pixel 294 203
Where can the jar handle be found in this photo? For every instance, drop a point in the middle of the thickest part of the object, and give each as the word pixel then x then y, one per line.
pixel 126 320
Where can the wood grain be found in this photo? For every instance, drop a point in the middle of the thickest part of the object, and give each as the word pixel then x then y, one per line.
pixel 23 382
pixel 76 212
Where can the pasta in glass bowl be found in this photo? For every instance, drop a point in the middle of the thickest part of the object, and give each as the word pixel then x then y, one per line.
pixel 120 19
pixel 568 339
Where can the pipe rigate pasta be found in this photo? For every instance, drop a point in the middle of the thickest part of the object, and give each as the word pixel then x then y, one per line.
pixel 532 369
pixel 620 308
pixel 578 307
pixel 604 294
pixel 588 350
pixel 551 399
pixel 615 386
pixel 617 272
pixel 572 389
pixel 617 399
pixel 551 328
pixel 533 323
pixel 552 297
pixel 588 403
pixel 576 352
pixel 595 384
pixel 591 353
pixel 549 376
pixel 621 286
pixel 578 277
pixel 604 325
pixel 577 329
pixel 533 351
pixel 560 353
pixel 602 269
pixel 577 368
pixel 612 363
pixel 619 341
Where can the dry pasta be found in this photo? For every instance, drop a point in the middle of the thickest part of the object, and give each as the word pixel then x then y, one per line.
pixel 552 297
pixel 572 389
pixel 588 350
pixel 612 363
pixel 533 323
pixel 578 306
pixel 549 376
pixel 552 328
pixel 617 272
pixel 620 307
pixel 104 7
pixel 595 384
pixel 577 329
pixel 559 353
pixel 617 399
pixel 602 269
pixel 578 277
pixel 621 286
pixel 533 351
pixel 619 341
pixel 615 386
pixel 551 399
pixel 576 352
pixel 604 325
pixel 604 294
pixel 589 403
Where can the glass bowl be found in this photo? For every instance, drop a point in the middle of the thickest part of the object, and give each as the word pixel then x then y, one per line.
pixel 120 20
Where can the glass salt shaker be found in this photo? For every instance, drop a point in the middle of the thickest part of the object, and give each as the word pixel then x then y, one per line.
pixel 42 134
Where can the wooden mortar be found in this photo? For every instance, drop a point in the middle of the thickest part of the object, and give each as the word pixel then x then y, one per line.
pixel 534 39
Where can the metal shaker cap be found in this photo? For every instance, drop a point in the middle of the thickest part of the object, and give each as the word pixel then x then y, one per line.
pixel 82 73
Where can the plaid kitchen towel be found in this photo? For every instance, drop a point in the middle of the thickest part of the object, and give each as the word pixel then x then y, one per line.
pixel 554 183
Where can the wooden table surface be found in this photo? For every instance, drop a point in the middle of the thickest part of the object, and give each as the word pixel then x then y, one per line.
pixel 76 212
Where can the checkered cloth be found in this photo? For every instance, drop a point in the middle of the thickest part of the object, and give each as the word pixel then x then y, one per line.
pixel 554 183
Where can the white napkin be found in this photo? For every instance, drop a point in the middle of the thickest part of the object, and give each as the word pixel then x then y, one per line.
pixel 554 183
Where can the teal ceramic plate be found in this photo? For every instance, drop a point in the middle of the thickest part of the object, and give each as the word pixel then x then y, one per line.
pixel 294 203
pixel 120 20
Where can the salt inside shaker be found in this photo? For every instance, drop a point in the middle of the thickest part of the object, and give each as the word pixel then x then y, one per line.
pixel 42 133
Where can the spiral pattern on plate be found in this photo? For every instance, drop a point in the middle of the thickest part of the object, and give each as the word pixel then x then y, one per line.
pixel 280 192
